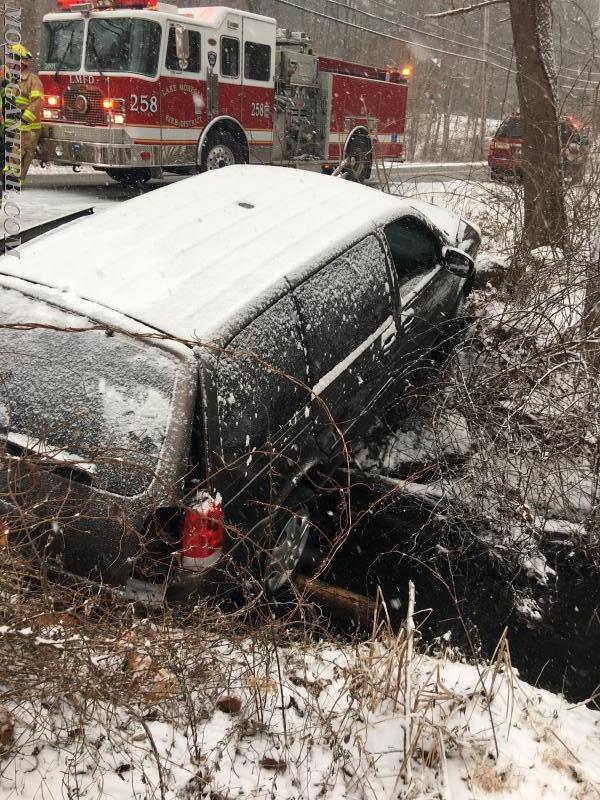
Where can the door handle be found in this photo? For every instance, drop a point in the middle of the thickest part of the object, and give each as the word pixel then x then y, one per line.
pixel 407 318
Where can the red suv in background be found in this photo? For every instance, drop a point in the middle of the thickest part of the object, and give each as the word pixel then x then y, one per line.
pixel 504 155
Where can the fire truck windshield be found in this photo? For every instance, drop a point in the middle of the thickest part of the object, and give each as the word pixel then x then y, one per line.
pixel 123 45
pixel 62 45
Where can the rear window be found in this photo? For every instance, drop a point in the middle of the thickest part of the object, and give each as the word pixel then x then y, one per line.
pixel 104 399
pixel 511 128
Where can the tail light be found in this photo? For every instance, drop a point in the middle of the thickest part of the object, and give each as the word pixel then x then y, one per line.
pixel 203 534
pixel 492 148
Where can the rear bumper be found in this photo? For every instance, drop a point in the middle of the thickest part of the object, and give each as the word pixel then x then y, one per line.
pixel 504 164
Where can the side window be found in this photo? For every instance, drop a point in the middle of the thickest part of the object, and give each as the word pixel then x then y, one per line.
pixel 256 397
pixel 343 305
pixel 230 57
pixel 194 61
pixel 257 61
pixel 413 248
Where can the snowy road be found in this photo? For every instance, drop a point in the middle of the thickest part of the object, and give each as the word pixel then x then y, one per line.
pixel 39 205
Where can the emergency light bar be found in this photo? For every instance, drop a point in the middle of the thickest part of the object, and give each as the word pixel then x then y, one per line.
pixel 104 5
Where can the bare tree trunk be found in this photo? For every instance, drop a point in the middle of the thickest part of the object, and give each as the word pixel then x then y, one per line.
pixel 544 212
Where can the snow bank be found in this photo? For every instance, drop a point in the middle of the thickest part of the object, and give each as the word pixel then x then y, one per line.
pixel 301 721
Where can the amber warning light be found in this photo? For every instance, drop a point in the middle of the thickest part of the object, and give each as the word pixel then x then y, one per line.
pixel 406 71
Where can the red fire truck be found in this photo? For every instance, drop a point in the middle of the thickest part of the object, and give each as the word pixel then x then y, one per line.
pixel 138 88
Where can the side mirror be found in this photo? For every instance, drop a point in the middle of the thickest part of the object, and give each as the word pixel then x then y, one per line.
pixel 182 45
pixel 457 262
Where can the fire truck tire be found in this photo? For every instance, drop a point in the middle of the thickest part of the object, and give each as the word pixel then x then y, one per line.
pixel 221 149
pixel 129 176
pixel 359 155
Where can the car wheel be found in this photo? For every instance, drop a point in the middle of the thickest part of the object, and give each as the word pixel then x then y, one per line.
pixel 221 150
pixel 290 549
pixel 359 156
pixel 129 177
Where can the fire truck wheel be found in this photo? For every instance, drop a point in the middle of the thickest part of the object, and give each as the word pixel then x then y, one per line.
pixel 129 176
pixel 221 150
pixel 359 155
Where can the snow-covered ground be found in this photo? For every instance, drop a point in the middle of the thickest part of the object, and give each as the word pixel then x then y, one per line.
pixel 252 720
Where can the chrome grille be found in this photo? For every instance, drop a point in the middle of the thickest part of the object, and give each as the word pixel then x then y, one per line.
pixel 84 104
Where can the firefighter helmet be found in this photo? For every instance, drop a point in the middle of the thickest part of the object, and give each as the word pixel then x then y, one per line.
pixel 20 51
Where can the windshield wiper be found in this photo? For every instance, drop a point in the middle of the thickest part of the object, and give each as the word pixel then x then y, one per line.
pixel 22 445
pixel 61 63
pixel 92 48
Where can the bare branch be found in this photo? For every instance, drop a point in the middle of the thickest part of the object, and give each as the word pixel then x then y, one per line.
pixel 466 9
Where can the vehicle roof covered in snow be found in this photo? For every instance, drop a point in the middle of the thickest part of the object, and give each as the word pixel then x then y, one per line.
pixel 189 258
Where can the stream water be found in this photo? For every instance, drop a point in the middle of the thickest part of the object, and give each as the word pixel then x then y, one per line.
pixel 468 597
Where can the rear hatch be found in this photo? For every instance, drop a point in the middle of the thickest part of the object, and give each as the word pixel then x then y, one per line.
pixel 91 420
pixel 505 147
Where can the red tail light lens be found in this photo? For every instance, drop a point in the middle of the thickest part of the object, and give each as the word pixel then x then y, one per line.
pixel 492 148
pixel 203 535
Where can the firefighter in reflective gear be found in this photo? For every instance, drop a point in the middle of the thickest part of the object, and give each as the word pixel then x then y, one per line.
pixel 29 100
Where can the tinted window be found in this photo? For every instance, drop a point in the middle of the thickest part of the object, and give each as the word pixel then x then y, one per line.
pixel 343 304
pixel 511 127
pixel 256 402
pixel 413 248
pixel 62 45
pixel 230 57
pixel 257 61
pixel 88 397
pixel 193 62
pixel 123 45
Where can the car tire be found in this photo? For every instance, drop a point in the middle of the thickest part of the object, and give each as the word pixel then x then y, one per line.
pixel 130 177
pixel 221 149
pixel 359 156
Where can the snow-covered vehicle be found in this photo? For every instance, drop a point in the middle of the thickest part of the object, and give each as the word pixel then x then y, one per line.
pixel 179 370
